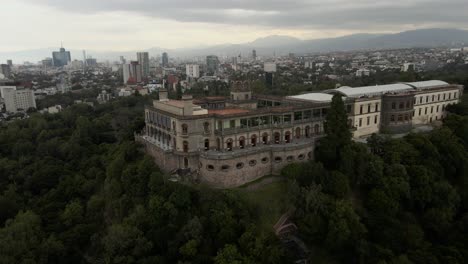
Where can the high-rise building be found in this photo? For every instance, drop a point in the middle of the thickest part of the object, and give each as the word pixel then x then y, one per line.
pixel 132 72
pixel 63 84
pixel 212 64
pixel 122 60
pixel 10 63
pixel 192 70
pixel 5 69
pixel 90 62
pixel 21 99
pixel 270 70
pixel 143 59
pixel 61 58
pixel 47 62
pixel 254 55
pixel 165 59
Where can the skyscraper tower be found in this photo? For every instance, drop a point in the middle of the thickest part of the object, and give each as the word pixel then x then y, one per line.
pixel 61 58
pixel 212 64
pixel 254 54
pixel 165 59
pixel 143 60
pixel 84 60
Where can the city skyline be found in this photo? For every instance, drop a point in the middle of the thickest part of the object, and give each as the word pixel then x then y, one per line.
pixel 117 26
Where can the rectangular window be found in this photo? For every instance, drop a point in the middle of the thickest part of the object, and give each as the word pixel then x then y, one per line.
pixel 360 110
pixel 400 118
pixel 377 107
pixel 277 119
pixel 232 123
pixel 427 99
pixel 244 123
pixel 438 97
pixel 393 105
pixel 450 96
pixel 254 121
pixel 375 119
pixel 437 109
pixel 433 97
pixel 287 118
pixel 420 100
pixel 432 109
pixel 454 95
pixel 425 111
pixel 402 105
pixel 444 97
pixel 392 118
pixel 368 120
pixel 264 120
pixel 316 112
pixel 307 114
pixel 368 108
pixel 297 116
pixel 360 122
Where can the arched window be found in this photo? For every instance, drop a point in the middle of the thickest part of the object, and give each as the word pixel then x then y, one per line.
pixel 229 145
pixel 242 142
pixel 277 137
pixel 307 131
pixel 253 140
pixel 265 138
pixel 317 129
pixel 207 144
pixel 287 137
pixel 185 146
pixel 184 129
pixel 298 132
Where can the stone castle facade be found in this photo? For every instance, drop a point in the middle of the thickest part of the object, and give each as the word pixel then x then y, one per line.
pixel 227 142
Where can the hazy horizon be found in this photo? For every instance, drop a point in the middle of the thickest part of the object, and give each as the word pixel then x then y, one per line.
pixel 117 25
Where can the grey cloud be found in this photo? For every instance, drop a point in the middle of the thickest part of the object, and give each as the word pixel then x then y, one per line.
pixel 312 14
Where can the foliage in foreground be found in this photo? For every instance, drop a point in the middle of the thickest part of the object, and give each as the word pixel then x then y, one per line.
pixel 390 201
pixel 74 188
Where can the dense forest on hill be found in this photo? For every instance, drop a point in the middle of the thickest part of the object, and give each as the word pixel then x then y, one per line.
pixel 76 189
pixel 390 201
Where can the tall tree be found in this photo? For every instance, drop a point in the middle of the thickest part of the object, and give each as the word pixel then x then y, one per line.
pixel 337 133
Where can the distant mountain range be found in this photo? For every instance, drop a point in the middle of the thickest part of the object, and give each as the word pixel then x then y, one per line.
pixel 281 45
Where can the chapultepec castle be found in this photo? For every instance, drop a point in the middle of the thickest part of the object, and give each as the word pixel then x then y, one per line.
pixel 229 141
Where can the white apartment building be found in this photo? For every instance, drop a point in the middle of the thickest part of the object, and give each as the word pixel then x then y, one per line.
pixel 18 99
pixel 192 70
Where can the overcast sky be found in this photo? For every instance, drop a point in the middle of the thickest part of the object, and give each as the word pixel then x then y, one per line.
pixel 120 25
